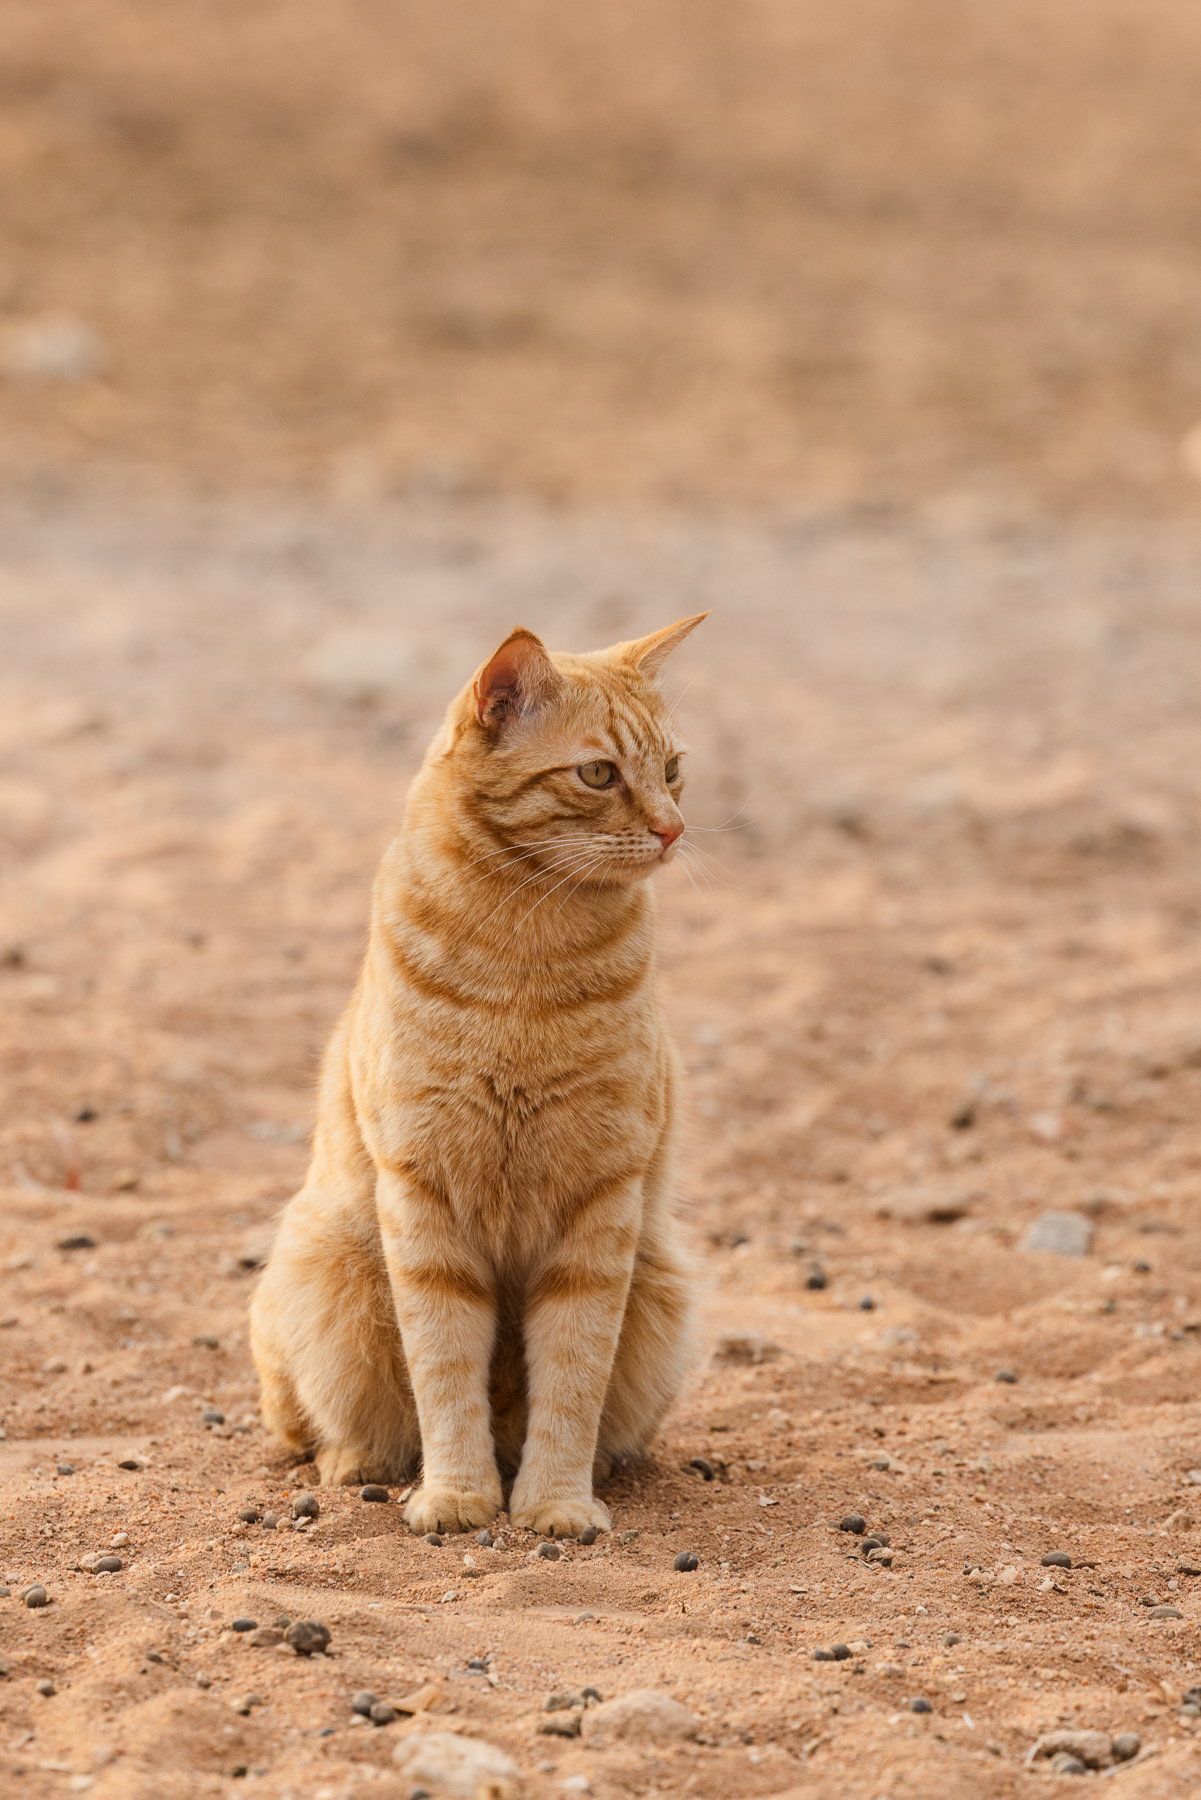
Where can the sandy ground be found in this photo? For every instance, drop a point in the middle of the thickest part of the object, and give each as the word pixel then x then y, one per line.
pixel 869 253
pixel 942 978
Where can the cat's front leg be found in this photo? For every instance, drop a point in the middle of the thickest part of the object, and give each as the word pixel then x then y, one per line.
pixel 574 1308
pixel 446 1308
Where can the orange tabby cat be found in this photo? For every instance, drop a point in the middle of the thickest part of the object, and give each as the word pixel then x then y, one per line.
pixel 482 1264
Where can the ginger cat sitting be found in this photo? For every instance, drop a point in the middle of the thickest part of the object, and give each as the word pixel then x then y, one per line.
pixel 482 1265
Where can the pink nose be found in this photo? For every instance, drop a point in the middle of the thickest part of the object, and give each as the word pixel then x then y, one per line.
pixel 667 838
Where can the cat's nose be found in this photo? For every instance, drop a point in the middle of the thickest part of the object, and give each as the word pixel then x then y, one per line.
pixel 668 836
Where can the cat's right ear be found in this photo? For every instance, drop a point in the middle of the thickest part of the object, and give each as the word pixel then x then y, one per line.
pixel 515 681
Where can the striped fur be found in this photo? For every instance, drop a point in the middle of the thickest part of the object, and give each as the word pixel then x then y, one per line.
pixel 481 1273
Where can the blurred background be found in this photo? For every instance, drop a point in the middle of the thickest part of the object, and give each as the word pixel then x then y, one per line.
pixel 886 254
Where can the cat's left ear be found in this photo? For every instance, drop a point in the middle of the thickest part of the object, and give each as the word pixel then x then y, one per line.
pixel 648 654
pixel 517 679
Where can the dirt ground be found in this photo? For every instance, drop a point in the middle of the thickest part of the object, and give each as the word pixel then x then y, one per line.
pixel 943 978
pixel 885 253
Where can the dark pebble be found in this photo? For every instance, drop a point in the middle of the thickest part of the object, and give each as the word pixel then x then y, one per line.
pixel 249 1515
pixel 750 1638
pixel 65 1469
pixel 129 1462
pixel 484 1539
pixel 1065 1764
pixel 823 1656
pixel 867 1304
pixel 816 1279
pixel 5 1594
pixel 563 1724
pixel 920 1705
pixel 36 1596
pixel 1127 1744
pixel 1006 1375
pixel 381 1713
pixel 244 1625
pixel 591 1696
pixel 270 1521
pixel 590 1536
pixel 109 1565
pixel 1056 1559
pixel 306 1507
pixel 46 1688
pixel 839 1652
pixel 949 1639
pixel 362 1703
pixel 1141 1267
pixel 551 1552
pixel 212 1416
pixel 420 1793
pixel 1191 1697
pixel 686 1562
pixel 372 1492
pixel 704 1469
pixel 281 1621
pixel 478 1664
pixel 204 1340
pixel 78 1240
pixel 431 1537
pixel 853 1522
pixel 307 1636
pixel 85 1116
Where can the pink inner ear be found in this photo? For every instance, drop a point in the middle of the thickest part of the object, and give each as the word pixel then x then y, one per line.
pixel 513 680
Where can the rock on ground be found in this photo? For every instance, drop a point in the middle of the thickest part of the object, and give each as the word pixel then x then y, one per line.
pixel 459 1765
pixel 643 1717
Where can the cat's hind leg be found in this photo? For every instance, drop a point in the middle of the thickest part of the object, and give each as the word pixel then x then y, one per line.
pixel 327 1346
pixel 653 1351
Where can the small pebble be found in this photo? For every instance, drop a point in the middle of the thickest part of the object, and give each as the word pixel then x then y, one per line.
pixel 307 1636
pixel 204 1340
pixel 823 1656
pixel 305 1507
pixel 1127 1744
pixel 249 1515
pixel 212 1417
pixel 77 1240
pixel 109 1565
pixel 1006 1375
pixel 704 1469
pixel 867 1304
pixel 281 1621
pixel 36 1596
pixel 431 1537
pixel 46 1688
pixel 5 1594
pixel 363 1702
pixel 590 1536
pixel 840 1652
pixel 853 1522
pixel 244 1625
pixel 478 1664
pixel 119 1539
pixel 204 1681
pixel 244 1705
pixel 484 1539
pixel 949 1639
pixel 1165 1612
pixel 270 1521
pixel 686 1562
pixel 373 1492
pixel 817 1279
pixel 1066 1764
pixel 381 1713
pixel 875 1540
pixel 1056 1559
pixel 129 1462
pixel 920 1705
pixel 65 1469
pixel 551 1552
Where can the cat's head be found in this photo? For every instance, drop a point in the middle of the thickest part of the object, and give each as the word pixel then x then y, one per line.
pixel 571 764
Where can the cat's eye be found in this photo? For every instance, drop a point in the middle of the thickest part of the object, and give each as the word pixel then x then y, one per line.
pixel 672 771
pixel 597 774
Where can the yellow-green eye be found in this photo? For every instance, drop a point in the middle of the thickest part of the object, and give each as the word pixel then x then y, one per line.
pixel 672 771
pixel 597 774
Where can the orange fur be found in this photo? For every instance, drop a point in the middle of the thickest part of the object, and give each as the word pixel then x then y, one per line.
pixel 482 1265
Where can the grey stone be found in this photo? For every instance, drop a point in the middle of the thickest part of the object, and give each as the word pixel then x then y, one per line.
pixel 590 1535
pixel 738 1348
pixel 212 1416
pixel 686 1562
pixel 249 1515
pixel 1165 1612
pixel 550 1552
pixel 1060 1234
pixel 46 1688
pixel 307 1636
pixel 1056 1559
pixel 306 1507
pixel 363 1702
pixel 920 1706
pixel 853 1522
pixel 1126 1745
pixel 36 1596
pixel 457 1765
pixel 381 1713
pixel 1090 1748
pixel 375 1493
pixel 244 1625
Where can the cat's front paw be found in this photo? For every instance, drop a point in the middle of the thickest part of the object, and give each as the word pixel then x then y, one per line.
pixel 567 1516
pixel 449 1509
